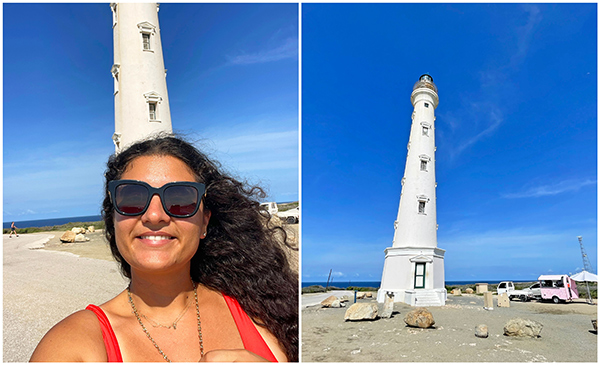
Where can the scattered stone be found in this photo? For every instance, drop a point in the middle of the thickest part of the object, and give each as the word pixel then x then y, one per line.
pixel 456 291
pixel 77 230
pixel 81 238
pixel 328 303
pixel 469 291
pixel 361 311
pixel 91 229
pixel 419 317
pixel 354 352
pixel 388 305
pixel 519 327
pixel 344 298
pixel 503 300
pixel 360 295
pixel 481 331
pixel 369 295
pixel 68 237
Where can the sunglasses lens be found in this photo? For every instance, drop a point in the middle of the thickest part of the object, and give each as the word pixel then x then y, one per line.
pixel 181 200
pixel 131 198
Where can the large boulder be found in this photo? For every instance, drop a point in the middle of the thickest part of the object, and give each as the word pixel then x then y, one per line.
pixel 78 230
pixel 419 317
pixel 329 302
pixel 361 311
pixel 91 229
pixel 519 327
pixel 81 238
pixel 469 291
pixel 68 237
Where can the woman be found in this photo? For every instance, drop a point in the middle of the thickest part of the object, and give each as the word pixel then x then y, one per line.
pixel 209 280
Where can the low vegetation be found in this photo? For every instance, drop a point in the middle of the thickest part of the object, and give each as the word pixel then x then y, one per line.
pixel 63 227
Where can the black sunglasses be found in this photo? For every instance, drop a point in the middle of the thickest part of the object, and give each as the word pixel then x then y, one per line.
pixel 179 199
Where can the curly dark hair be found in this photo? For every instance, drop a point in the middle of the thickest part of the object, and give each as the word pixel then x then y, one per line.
pixel 241 255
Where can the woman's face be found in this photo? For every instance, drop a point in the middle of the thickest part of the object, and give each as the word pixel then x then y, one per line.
pixel 155 241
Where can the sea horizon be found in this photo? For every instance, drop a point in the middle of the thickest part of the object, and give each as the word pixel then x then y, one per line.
pixel 49 222
pixel 377 284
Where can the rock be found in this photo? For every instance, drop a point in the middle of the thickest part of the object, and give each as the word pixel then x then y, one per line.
pixel 481 331
pixel 336 303
pixel 419 317
pixel 369 295
pixel 81 238
pixel 77 230
pixel 91 229
pixel 327 303
pixel 469 291
pixel 361 311
pixel 456 292
pixel 360 295
pixel 520 327
pixel 388 305
pixel 68 237
pixel 344 298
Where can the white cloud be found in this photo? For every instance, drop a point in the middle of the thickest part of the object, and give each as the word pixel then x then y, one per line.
pixel 552 189
pixel 289 49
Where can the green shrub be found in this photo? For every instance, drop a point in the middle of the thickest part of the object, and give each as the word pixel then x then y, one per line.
pixel 313 289
pixel 62 227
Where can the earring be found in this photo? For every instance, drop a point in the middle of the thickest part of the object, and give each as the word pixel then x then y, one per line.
pixel 203 234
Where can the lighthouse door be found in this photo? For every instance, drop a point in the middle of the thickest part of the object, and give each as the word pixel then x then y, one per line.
pixel 419 275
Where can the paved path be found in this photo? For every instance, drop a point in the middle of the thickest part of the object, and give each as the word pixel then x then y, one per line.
pixel 316 298
pixel 42 287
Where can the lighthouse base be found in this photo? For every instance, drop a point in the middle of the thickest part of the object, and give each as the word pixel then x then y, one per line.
pixel 415 275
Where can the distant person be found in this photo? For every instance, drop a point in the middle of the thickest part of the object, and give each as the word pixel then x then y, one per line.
pixel 209 279
pixel 13 229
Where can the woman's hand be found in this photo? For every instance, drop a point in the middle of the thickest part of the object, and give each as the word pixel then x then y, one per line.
pixel 240 355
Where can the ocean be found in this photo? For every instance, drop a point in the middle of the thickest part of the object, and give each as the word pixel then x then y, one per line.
pixel 53 221
pixel 377 284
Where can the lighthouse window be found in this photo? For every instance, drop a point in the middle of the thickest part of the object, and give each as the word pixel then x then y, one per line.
pixel 426 105
pixel 146 40
pixel 423 165
pixel 152 109
pixel 425 131
pixel 421 207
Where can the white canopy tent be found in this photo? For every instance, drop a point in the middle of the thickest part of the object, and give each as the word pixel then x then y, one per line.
pixel 585 276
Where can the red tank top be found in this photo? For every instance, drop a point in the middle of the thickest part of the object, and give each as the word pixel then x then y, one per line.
pixel 251 338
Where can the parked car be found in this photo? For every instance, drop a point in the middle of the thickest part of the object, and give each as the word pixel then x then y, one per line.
pixel 270 207
pixel 558 288
pixel 505 287
pixel 290 216
pixel 531 292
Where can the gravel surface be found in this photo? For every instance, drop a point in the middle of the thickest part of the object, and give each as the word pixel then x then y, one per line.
pixel 41 287
pixel 567 335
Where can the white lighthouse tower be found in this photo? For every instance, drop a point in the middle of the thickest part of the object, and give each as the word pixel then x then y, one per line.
pixel 414 265
pixel 141 100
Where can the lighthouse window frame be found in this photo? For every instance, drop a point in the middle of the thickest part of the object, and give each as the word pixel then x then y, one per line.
pixel 422 207
pixel 423 165
pixel 147 30
pixel 152 111
pixel 426 131
pixel 426 105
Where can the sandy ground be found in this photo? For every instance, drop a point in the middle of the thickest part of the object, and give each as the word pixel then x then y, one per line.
pixel 567 335
pixel 41 287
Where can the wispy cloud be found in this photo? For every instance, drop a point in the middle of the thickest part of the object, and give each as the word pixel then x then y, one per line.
pixel 289 49
pixel 525 33
pixel 551 189
pixel 489 118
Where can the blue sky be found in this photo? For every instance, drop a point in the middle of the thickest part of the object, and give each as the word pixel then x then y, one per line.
pixel 516 135
pixel 232 81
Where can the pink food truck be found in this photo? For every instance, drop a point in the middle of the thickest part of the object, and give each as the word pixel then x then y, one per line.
pixel 558 288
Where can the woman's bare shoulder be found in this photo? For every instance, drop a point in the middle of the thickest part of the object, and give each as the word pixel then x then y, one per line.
pixel 76 338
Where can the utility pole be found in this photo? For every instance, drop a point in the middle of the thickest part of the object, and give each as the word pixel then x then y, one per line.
pixel 586 266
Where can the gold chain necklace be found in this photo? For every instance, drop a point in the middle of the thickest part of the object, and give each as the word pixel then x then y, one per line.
pixel 148 333
pixel 173 325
